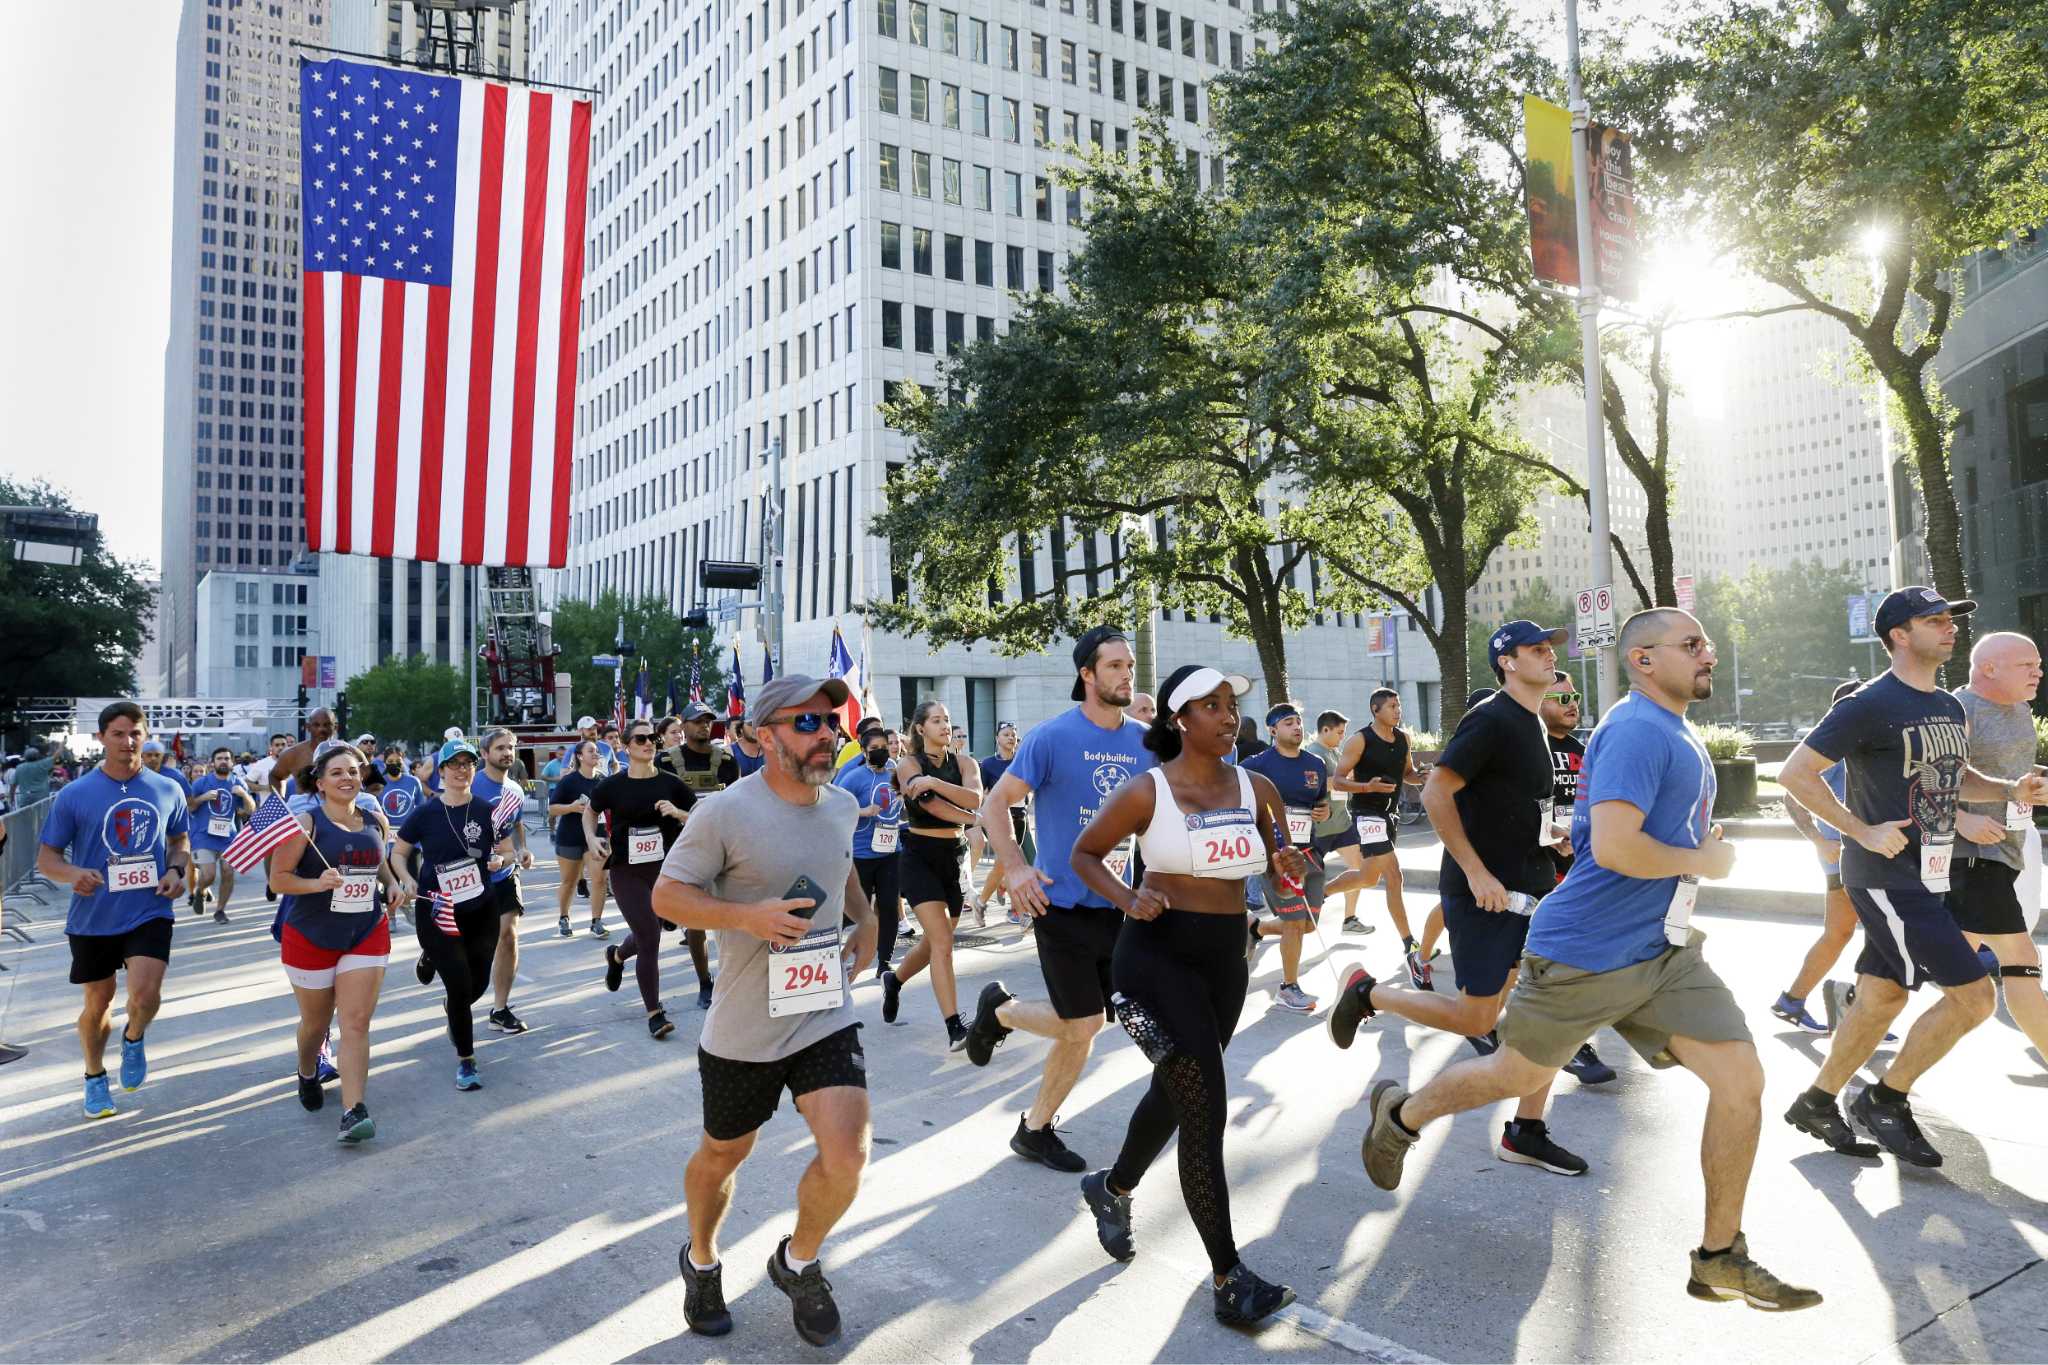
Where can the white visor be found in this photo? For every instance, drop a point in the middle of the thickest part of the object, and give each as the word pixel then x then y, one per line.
pixel 1201 683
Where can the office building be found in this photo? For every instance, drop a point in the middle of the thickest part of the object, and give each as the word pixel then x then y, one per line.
pixel 253 630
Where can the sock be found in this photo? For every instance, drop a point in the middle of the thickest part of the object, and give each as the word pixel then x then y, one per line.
pixel 791 1263
pixel 126 1039
pixel 95 1075
pixel 1793 1000
pixel 697 1265
pixel 1706 1255
pixel 1396 1117
pixel 1816 1095
pixel 1880 1093
pixel 1287 986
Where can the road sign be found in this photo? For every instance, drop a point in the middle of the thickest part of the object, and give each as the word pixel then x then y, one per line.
pixel 1585 617
pixel 1684 592
pixel 604 661
pixel 1862 608
pixel 729 609
pixel 1603 615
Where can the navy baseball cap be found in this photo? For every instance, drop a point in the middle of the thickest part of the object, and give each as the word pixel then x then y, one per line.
pixel 1906 604
pixel 1085 649
pixel 1515 634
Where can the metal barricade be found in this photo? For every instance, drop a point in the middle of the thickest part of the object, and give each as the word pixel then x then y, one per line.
pixel 18 862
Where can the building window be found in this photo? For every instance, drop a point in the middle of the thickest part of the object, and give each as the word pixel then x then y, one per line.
pixel 892 246
pixel 921 250
pixel 891 172
pixel 892 324
pixel 921 323
pixel 886 83
pixel 885 18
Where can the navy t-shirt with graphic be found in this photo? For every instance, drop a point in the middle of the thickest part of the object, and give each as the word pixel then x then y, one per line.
pixel 1905 751
pixel 1302 780
pixel 446 834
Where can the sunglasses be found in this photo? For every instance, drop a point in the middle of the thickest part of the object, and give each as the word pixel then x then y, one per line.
pixel 810 722
pixel 1564 698
pixel 1694 645
pixel 644 737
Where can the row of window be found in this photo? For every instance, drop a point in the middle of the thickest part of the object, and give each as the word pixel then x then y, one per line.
pixel 919 30
pixel 980 106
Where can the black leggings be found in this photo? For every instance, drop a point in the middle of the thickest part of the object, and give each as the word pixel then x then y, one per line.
pixel 878 877
pixel 633 888
pixel 464 962
pixel 1189 970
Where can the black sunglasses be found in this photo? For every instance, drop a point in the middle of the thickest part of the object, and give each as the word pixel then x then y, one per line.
pixel 644 737
pixel 809 722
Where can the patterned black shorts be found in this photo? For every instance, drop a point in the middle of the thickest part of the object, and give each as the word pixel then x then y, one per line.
pixel 741 1096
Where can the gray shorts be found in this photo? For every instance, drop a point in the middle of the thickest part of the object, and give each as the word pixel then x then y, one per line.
pixel 1554 1008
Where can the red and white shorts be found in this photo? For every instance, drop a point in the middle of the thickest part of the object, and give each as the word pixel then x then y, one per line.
pixel 315 968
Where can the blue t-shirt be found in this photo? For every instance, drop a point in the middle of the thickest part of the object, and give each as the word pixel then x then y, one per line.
pixel 1905 751
pixel 1599 920
pixel 223 803
pixel 400 795
pixel 871 787
pixel 551 770
pixel 1302 781
pixel 1072 765
pixel 487 789
pixel 748 764
pixel 95 817
pixel 176 774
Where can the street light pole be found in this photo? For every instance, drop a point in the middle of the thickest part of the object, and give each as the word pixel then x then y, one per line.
pixel 1589 330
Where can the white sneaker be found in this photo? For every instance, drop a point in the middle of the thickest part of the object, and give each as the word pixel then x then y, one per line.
pixel 1292 998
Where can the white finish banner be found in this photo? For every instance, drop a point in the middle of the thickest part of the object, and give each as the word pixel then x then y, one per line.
pixel 170 715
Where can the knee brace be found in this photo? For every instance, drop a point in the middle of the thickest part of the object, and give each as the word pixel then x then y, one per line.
pixel 2020 969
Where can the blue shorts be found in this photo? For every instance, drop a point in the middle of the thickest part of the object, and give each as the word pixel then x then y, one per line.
pixel 1910 936
pixel 1486 946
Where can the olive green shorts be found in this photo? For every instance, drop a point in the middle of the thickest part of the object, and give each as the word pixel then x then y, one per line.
pixel 1555 1008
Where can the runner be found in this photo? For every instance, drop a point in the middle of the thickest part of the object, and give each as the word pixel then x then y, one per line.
pixel 747 755
pixel 457 925
pixel 781 1019
pixel 402 789
pixel 1839 926
pixel 490 786
pixel 214 802
pixel 116 837
pixel 1142 709
pixel 705 770
pixel 153 755
pixel 1338 830
pixel 1613 946
pixel 1373 765
pixel 336 936
pixel 1489 799
pixel 941 797
pixel 1203 829
pixel 1907 747
pixel 586 728
pixel 1303 781
pixel 1560 715
pixel 992 769
pixel 877 837
pixel 2005 675
pixel 644 808
pixel 1067 767
pixel 565 806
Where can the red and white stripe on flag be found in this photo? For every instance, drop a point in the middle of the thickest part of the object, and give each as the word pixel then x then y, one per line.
pixel 440 418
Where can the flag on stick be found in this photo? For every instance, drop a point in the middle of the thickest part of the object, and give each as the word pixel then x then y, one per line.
pixel 736 689
pixel 840 665
pixel 271 826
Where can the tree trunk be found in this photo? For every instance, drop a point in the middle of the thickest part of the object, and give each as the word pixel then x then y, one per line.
pixel 1451 660
pixel 1944 531
pixel 1263 620
pixel 1657 530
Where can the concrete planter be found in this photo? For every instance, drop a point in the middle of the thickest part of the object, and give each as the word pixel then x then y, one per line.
pixel 1735 785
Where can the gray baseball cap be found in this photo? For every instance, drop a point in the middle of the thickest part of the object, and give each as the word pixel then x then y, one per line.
pixel 792 689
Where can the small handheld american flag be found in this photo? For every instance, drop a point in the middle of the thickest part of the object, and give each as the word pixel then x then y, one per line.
pixel 510 802
pixel 444 912
pixel 271 826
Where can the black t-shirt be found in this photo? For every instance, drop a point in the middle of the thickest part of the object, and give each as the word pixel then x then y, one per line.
pixel 1379 760
pixel 1904 751
pixel 1503 752
pixel 702 773
pixel 569 828
pixel 1567 756
pixel 446 834
pixel 629 801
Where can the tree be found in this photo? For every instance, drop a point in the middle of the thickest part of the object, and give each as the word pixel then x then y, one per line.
pixel 1815 132
pixel 583 629
pixel 68 631
pixel 409 700
pixel 1790 629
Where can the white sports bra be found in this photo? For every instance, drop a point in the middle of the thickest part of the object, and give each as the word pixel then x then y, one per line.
pixel 1205 843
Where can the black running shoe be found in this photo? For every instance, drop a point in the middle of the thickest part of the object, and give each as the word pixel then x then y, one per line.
pixel 1043 1146
pixel 1527 1143
pixel 1243 1298
pixel 1112 1215
pixel 703 1297
pixel 269 894
pixel 505 1021
pixel 1821 1118
pixel 658 1024
pixel 564 929
pixel 424 970
pixel 1892 1125
pixel 583 887
pixel 704 996
pixel 810 1296
pixel 311 1096
pixel 1419 972
pixel 956 1034
pixel 1587 1066
pixel 892 997
pixel 196 902
pixel 986 1033
pixel 1487 1043
pixel 356 1125
pixel 1352 1007
pixel 220 916
pixel 614 967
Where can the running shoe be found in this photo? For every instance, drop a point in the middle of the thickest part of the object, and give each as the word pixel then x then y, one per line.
pixel 810 1296
pixel 704 996
pixel 703 1297
pixel 99 1102
pixel 956 1034
pixel 466 1077
pixel 1354 925
pixel 658 1025
pixel 1893 1126
pixel 1420 976
pixel 1817 1115
pixel 220 916
pixel 906 927
pixel 1487 1043
pixel 134 1062
pixel 1293 999
pixel 269 894
pixel 1732 1275
pixel 980 915
pixel 583 887
pixel 505 1021
pixel 1251 947
pixel 1043 1146
pixel 357 1125
pixel 1353 1007
pixel 986 1033
pixel 1385 1147
pixel 1792 1009
pixel 311 1096
pixel 1587 1066
pixel 892 997
pixel 1526 1142
pixel 614 967
pixel 598 930
pixel 1014 917
pixel 424 970
pixel 564 928
pixel 197 902
pixel 324 1069
pixel 1243 1298
pixel 1112 1215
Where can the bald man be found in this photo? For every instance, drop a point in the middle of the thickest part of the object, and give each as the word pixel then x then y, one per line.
pixel 2005 676
pixel 1143 707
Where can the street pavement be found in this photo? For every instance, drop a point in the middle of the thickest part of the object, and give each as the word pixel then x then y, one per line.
pixel 540 1217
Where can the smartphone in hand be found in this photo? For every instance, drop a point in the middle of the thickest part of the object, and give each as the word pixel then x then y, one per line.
pixel 803 888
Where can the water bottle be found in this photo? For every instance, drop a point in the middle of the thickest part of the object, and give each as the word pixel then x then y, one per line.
pixel 1145 1029
pixel 1521 903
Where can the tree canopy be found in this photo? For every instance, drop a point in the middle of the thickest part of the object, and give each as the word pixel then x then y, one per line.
pixel 409 700
pixel 583 629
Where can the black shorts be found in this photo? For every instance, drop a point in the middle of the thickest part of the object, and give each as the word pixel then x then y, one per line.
pixel 1909 937
pixel 1075 946
pixel 1485 946
pixel 1346 837
pixel 741 1096
pixel 1379 847
pixel 929 870
pixel 1983 895
pixel 509 898
pixel 95 957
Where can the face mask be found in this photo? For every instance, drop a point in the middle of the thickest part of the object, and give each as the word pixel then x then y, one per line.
pixel 394 766
pixel 877 757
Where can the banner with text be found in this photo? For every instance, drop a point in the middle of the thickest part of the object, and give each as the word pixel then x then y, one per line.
pixel 170 715
pixel 1553 208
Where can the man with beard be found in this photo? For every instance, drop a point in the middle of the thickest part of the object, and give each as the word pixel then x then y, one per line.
pixel 216 799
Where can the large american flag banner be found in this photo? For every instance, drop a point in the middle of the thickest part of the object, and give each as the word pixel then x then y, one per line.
pixel 443 224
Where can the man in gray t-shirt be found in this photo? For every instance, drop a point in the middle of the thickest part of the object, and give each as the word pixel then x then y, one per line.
pixel 780 1019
